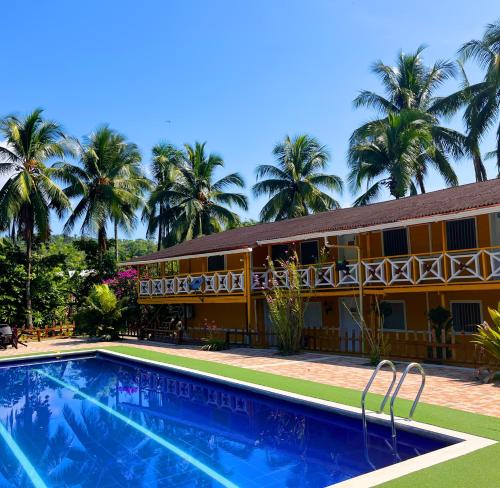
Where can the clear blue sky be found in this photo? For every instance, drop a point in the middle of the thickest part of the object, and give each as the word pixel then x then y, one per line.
pixel 239 75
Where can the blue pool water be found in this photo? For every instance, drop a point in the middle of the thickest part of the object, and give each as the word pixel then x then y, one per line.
pixel 101 422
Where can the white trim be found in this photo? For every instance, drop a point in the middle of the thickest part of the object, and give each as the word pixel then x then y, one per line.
pixel 188 256
pixel 467 442
pixel 391 225
pixel 404 316
pixel 450 304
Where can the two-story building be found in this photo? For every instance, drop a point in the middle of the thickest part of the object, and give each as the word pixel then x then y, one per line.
pixel 439 248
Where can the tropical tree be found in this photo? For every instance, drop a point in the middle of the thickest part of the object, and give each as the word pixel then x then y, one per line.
pixel 481 100
pixel 165 171
pixel 200 203
pixel 29 193
pixel 411 85
pixel 387 154
pixel 294 183
pixel 109 182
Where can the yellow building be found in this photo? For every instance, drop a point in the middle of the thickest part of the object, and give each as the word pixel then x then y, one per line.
pixel 439 248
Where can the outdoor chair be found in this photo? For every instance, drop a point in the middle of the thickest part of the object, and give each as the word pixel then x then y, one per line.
pixel 7 337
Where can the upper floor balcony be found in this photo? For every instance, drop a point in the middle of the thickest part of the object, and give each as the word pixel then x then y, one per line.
pixel 480 265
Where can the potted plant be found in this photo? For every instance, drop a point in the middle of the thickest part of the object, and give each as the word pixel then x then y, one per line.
pixel 488 337
pixel 441 321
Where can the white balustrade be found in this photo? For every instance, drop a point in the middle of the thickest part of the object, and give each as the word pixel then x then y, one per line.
pixel 170 286
pixel 430 268
pixel 375 272
pixel 494 258
pixel 157 287
pixel 237 281
pixel 464 266
pixel 401 270
pixel 260 280
pixel 348 274
pixel 144 287
pixel 324 276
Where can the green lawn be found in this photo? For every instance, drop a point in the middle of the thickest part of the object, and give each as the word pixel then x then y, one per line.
pixel 479 469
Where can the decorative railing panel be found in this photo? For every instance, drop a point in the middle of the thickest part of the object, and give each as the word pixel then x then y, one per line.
pixel 478 265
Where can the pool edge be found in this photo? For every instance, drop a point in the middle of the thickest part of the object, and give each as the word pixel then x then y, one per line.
pixel 468 442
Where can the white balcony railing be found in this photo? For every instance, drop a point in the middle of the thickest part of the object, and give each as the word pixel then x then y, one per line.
pixel 417 269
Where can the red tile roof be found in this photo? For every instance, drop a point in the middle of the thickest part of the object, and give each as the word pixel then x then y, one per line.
pixel 442 202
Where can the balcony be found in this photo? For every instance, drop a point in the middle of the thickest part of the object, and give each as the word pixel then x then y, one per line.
pixel 415 270
pixel 226 282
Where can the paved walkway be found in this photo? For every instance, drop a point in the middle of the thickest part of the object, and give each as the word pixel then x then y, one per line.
pixel 446 386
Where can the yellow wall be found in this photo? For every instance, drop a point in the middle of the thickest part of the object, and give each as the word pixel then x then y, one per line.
pixel 225 315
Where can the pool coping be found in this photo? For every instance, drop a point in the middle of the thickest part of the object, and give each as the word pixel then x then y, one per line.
pixel 468 442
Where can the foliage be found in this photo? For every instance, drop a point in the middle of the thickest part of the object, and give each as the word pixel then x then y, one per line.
pixel 488 336
pixel 386 153
pixel 441 319
pixel 199 204
pixel 481 100
pixel 294 183
pixel 211 343
pixel 123 284
pixel 29 194
pixel 410 88
pixel 108 181
pixel 101 314
pixel 165 171
pixel 286 307
pixel 55 282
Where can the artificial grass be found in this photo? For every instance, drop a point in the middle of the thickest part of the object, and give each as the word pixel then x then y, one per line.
pixel 478 469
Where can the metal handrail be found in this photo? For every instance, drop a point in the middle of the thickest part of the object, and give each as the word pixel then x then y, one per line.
pixel 367 387
pixel 415 402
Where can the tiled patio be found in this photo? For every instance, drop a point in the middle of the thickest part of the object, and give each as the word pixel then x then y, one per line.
pixel 446 386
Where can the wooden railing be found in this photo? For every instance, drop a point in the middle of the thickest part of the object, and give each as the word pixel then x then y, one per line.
pixel 450 267
pixel 422 345
pixel 447 267
pixel 49 332
pixel 221 282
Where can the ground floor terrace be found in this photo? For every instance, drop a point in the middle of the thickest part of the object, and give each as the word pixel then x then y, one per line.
pixel 451 399
pixel 332 323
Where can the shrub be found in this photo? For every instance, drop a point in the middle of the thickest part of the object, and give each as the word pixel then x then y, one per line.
pixel 286 307
pixel 489 336
pixel 100 316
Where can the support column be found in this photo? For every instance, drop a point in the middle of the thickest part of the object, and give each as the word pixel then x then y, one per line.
pixel 247 269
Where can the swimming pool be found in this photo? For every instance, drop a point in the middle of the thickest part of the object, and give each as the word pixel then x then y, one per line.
pixel 102 419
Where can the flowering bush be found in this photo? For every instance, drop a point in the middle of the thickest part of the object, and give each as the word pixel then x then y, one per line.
pixel 123 283
pixel 286 305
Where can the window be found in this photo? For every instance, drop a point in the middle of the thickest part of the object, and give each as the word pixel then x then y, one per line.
pixel 280 252
pixel 395 242
pixel 216 263
pixel 394 314
pixel 461 234
pixel 309 252
pixel 466 316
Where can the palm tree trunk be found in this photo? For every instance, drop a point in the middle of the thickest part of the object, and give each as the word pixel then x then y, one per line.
pixel 160 228
pixel 420 181
pixel 116 241
pixel 29 251
pixel 479 169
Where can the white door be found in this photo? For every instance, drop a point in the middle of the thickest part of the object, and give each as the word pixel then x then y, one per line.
pixel 348 314
pixel 347 254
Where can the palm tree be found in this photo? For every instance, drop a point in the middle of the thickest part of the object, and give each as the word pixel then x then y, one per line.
pixel 199 206
pixel 294 183
pixel 109 183
pixel 165 163
pixel 29 194
pixel 410 85
pixel 482 100
pixel 388 151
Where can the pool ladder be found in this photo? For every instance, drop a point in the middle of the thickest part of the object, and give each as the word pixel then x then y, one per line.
pixel 408 368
